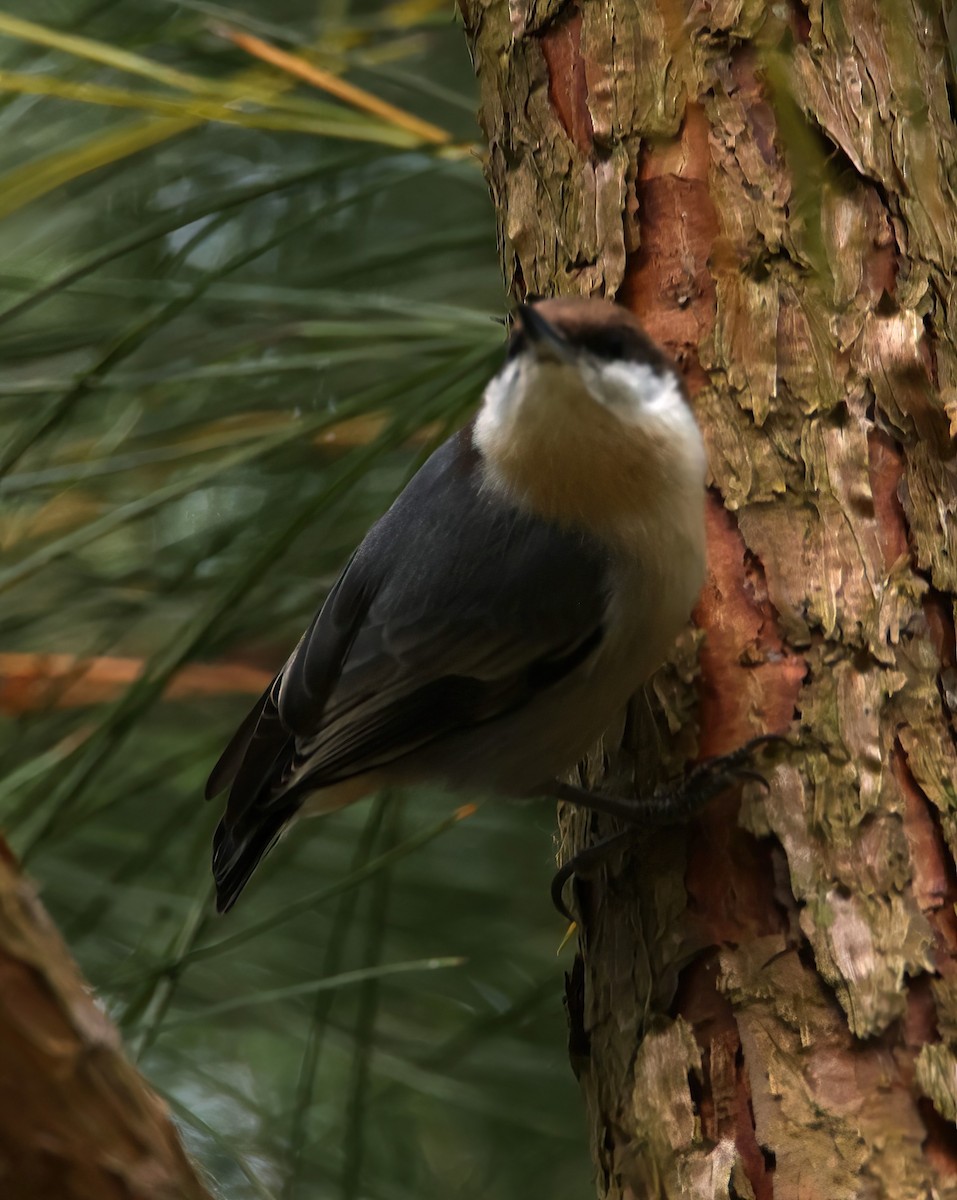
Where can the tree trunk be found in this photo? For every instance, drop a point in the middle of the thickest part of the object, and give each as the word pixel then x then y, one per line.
pixel 766 1003
pixel 77 1122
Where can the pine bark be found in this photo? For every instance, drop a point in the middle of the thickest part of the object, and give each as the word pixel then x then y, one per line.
pixel 765 1004
pixel 77 1121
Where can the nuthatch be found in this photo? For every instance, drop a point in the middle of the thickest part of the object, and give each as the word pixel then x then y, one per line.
pixel 494 622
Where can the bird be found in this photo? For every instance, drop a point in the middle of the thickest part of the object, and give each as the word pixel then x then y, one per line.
pixel 497 618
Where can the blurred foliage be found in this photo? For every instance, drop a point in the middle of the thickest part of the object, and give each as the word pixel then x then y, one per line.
pixel 234 314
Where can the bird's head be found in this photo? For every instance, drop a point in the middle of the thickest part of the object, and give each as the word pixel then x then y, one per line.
pixel 573 349
pixel 586 414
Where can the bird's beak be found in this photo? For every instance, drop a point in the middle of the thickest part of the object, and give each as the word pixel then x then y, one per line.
pixel 546 341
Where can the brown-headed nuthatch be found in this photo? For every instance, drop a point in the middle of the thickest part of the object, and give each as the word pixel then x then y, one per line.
pixel 492 624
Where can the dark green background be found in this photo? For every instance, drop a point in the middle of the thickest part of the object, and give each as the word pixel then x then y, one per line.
pixel 215 300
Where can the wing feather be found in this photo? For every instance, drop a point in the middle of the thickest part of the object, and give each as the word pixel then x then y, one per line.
pixel 455 609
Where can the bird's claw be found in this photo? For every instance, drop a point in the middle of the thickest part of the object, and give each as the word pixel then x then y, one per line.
pixel 709 778
pixel 672 804
pixel 591 856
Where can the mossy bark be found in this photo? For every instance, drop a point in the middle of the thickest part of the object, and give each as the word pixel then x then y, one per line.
pixel 766 1003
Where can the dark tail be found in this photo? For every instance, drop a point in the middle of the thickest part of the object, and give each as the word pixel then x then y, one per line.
pixel 238 848
pixel 252 766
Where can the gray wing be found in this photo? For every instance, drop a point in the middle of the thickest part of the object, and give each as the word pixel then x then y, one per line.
pixel 455 609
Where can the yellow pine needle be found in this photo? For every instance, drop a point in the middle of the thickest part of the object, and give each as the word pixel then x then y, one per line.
pixel 358 97
pixel 198 109
pixel 100 52
pixel 28 182
pixel 405 13
pixel 569 934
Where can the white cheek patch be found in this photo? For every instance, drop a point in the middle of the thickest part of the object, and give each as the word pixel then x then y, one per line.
pixel 642 396
pixel 499 403
pixel 527 393
pixel 502 392
pixel 636 390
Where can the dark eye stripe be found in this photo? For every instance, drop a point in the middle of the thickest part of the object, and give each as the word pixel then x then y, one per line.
pixel 607 341
pixel 617 342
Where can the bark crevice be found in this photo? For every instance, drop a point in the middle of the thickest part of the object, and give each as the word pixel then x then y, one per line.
pixel 777 190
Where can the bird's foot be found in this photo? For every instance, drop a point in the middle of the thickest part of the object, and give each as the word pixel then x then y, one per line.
pixel 672 804
pixel 582 862
pixel 679 800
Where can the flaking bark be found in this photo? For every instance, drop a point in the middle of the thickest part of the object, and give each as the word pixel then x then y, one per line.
pixel 766 1004
pixel 77 1121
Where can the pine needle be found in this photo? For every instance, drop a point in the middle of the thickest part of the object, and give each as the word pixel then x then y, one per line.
pixel 294 64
